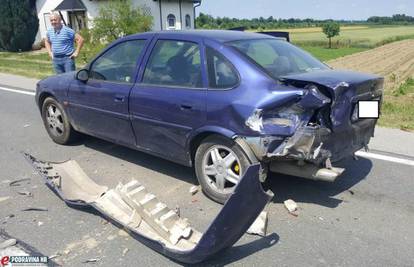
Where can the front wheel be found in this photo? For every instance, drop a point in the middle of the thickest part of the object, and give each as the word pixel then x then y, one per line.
pixel 219 165
pixel 56 122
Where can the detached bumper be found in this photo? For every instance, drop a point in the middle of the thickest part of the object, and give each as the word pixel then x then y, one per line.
pixel 152 222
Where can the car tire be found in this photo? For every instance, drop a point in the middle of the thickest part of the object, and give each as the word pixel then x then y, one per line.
pixel 219 164
pixel 57 123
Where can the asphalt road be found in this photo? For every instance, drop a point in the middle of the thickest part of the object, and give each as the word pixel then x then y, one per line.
pixel 365 218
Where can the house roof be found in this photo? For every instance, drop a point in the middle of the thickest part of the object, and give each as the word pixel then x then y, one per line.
pixel 73 5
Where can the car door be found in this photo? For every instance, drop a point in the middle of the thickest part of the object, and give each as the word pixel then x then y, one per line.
pixel 100 106
pixel 169 101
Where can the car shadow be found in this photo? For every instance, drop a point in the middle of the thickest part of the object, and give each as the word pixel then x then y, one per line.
pixel 148 161
pixel 283 186
pixel 238 252
pixel 319 192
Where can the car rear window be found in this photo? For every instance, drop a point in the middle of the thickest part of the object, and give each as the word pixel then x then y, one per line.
pixel 277 57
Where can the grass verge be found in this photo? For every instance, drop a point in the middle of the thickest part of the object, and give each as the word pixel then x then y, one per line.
pixel 25 67
pixel 325 54
pixel 398 107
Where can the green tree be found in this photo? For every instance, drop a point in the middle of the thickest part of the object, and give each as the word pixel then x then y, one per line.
pixel 18 25
pixel 331 29
pixel 119 18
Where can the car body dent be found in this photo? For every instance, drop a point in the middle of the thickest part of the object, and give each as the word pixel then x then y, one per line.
pixel 150 221
pixel 331 135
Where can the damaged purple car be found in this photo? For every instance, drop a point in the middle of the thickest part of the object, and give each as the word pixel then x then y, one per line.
pixel 216 100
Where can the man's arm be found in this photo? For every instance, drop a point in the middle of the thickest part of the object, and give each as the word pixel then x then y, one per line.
pixel 48 47
pixel 79 44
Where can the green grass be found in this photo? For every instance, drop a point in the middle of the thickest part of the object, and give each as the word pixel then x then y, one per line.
pixel 38 64
pixel 405 88
pixel 20 65
pixel 398 107
pixel 325 54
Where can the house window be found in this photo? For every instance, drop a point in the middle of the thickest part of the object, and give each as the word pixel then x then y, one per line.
pixel 171 21
pixel 187 21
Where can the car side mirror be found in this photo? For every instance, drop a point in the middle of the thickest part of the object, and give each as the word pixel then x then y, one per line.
pixel 82 75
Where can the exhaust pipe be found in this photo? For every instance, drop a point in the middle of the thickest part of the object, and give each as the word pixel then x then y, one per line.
pixel 308 171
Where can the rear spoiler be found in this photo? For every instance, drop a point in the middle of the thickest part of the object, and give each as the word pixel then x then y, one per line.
pixel 278 34
pixel 284 35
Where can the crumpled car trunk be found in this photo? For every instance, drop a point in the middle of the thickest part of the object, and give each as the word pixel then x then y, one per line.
pixel 344 89
pixel 150 221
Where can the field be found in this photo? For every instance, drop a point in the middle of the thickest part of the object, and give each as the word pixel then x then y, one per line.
pixel 357 36
pixel 394 61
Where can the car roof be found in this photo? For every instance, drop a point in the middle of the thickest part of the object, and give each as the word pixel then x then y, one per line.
pixel 221 36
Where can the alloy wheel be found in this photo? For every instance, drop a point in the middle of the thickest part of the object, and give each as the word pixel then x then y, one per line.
pixel 221 168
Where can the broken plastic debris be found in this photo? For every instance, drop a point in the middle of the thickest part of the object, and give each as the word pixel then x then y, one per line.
pixel 150 221
pixel 35 209
pixel 9 216
pixel 92 260
pixel 177 211
pixel 54 256
pixel 25 193
pixel 17 182
pixel 125 251
pixel 290 205
pixel 4 199
pixel 193 190
pixel 259 226
pixel 8 243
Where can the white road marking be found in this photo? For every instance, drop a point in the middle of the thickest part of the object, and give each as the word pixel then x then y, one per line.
pixel 17 91
pixel 384 157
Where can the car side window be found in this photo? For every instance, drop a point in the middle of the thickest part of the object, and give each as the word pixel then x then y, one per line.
pixel 221 73
pixel 118 63
pixel 174 63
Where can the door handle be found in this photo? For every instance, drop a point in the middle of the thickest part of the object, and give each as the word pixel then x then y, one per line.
pixel 185 107
pixel 119 99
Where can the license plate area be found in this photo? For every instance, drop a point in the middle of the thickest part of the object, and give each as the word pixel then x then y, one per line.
pixel 368 109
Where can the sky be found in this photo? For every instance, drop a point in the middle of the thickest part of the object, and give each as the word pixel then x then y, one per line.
pixel 316 9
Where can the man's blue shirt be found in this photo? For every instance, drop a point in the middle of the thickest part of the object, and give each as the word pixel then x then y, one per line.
pixel 62 41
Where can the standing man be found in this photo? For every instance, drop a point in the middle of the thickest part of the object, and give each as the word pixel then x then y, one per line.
pixel 60 45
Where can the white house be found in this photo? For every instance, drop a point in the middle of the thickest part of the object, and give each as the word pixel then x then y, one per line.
pixel 168 14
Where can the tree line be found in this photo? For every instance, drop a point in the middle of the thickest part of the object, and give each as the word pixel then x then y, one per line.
pixel 398 19
pixel 206 21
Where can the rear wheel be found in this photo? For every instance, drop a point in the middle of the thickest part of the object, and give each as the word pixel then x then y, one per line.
pixel 56 122
pixel 219 165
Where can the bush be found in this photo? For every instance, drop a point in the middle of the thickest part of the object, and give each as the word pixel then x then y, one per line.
pixel 18 25
pixel 90 48
pixel 119 18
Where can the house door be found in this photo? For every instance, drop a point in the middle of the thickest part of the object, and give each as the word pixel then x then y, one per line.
pixel 77 20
